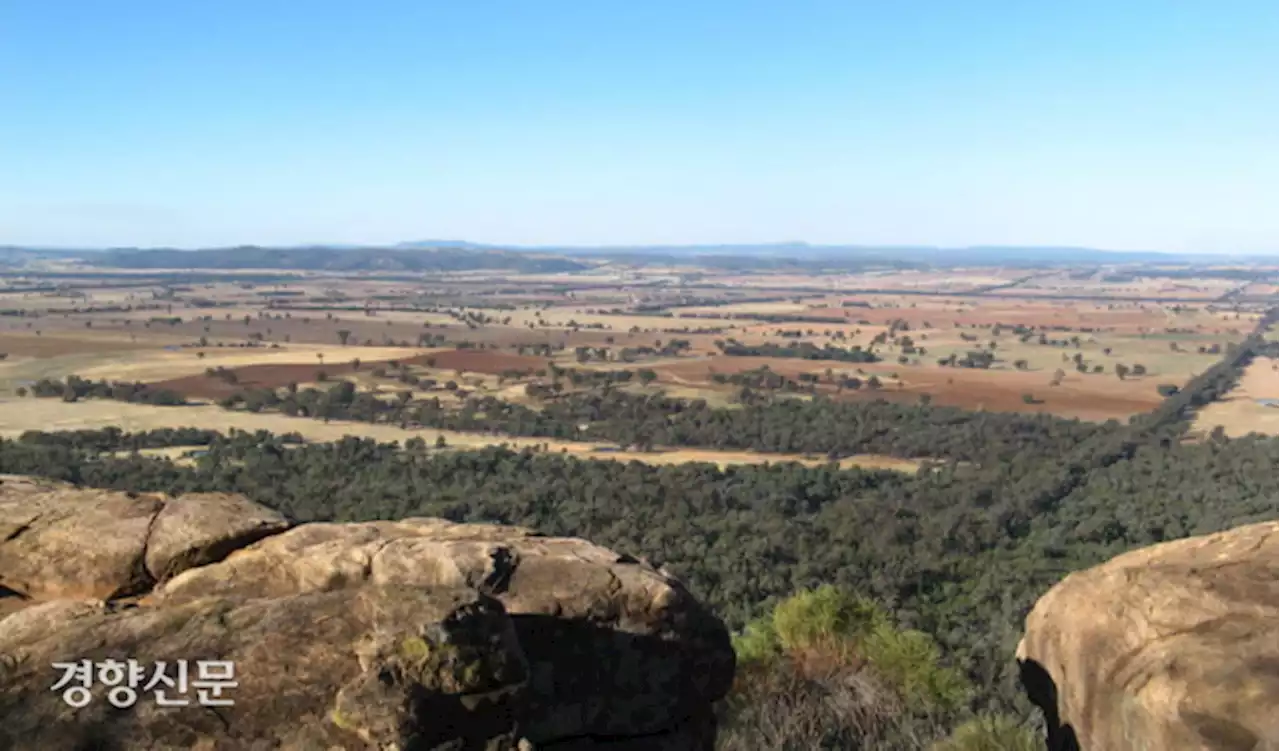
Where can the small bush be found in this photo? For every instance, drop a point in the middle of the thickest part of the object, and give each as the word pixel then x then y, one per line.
pixel 824 617
pixel 828 670
pixel 757 643
pixel 910 661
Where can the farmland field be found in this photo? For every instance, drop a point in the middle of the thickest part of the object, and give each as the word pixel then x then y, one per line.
pixel 1093 344
pixel 1248 408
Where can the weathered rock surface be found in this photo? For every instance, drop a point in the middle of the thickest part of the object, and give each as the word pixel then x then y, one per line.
pixel 413 634
pixel 201 528
pixel 60 542
pixel 1169 647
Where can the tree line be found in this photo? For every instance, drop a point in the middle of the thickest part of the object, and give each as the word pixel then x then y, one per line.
pixel 800 350
pixel 75 388
pixel 818 426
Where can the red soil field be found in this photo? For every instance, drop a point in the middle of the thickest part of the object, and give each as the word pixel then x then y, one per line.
pixel 253 377
pixel 276 376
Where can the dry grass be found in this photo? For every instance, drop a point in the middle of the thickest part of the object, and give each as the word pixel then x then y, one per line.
pixel 561 316
pixel 1239 412
pixel 150 365
pixel 19 416
pixel 760 308
pixel 1151 285
pixel 175 453
pixel 1152 352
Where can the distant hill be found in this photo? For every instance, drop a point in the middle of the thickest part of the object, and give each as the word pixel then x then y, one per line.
pixel 806 255
pixel 17 257
pixel 461 255
pixel 332 259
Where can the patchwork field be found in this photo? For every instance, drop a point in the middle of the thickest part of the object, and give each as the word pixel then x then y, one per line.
pixel 1090 343
pixel 102 356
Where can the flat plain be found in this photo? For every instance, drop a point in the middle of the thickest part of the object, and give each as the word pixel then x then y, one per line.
pixel 1093 344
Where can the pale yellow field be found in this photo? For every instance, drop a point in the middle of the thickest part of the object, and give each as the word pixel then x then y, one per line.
pixel 1206 289
pixel 161 364
pixel 761 308
pixel 1239 412
pixel 1152 352
pixel 20 415
pixel 243 308
pixel 560 317
pixel 399 316
pixel 173 452
pixel 1258 288
pixel 955 280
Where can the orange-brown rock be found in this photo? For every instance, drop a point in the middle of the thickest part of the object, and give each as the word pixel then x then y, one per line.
pixel 1168 647
pixel 418 633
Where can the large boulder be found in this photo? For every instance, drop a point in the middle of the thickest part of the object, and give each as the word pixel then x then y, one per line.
pixel 1169 647
pixel 418 633
pixel 57 541
pixel 201 528
pixel 383 667
pixel 615 649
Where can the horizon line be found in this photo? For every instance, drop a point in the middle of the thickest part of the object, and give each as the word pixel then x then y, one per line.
pixel 426 245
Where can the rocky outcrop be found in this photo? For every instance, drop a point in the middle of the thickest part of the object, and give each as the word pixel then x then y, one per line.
pixel 411 634
pixel 1169 647
pixel 59 542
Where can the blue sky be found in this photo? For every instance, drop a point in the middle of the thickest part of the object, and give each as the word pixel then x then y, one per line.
pixel 1126 125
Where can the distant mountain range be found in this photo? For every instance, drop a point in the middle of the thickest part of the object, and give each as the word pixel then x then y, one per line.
pixel 312 259
pixel 458 255
pixel 912 254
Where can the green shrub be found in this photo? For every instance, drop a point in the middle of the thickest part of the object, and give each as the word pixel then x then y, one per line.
pixel 757 643
pixel 909 660
pixel 825 616
pixel 828 624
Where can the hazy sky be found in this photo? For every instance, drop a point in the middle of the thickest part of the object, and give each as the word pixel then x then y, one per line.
pixel 1131 125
